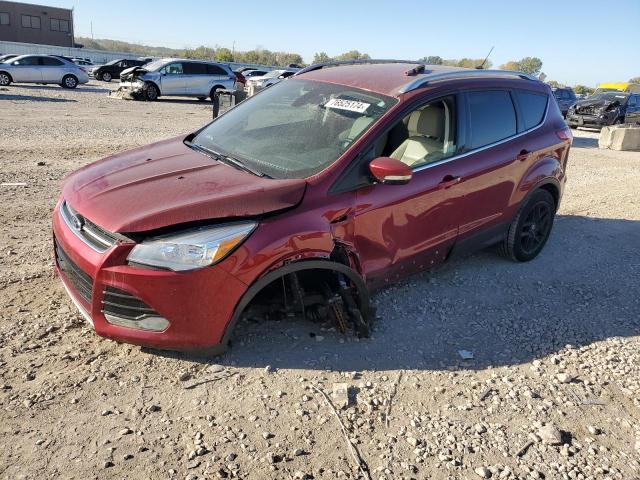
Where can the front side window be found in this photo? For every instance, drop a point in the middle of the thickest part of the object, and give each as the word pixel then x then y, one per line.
pixel 172 69
pixel 26 61
pixel 491 117
pixel 294 129
pixel 4 18
pixel 532 107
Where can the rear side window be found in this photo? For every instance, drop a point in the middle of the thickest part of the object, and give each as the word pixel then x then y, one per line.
pixel 216 70
pixel 52 62
pixel 491 117
pixel 194 68
pixel 532 107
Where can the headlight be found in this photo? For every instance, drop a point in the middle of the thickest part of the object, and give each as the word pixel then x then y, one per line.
pixel 192 249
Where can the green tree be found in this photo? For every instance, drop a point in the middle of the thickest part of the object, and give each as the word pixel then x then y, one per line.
pixel 321 57
pixel 352 55
pixel 553 83
pixel 530 65
pixel 432 60
pixel 634 80
pixel 582 89
pixel 224 55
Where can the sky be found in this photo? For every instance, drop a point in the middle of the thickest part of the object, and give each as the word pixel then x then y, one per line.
pixel 580 42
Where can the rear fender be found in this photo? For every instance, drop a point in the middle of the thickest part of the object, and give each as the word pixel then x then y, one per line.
pixel 546 171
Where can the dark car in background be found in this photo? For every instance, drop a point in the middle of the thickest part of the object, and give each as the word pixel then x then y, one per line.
pixel 565 98
pixel 114 68
pixel 606 108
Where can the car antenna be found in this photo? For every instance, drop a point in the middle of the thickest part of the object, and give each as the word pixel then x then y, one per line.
pixel 481 66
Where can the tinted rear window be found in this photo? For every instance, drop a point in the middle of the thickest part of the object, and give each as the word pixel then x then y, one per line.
pixel 194 68
pixel 532 107
pixel 216 70
pixel 491 117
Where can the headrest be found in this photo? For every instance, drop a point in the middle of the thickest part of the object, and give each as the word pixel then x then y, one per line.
pixel 428 122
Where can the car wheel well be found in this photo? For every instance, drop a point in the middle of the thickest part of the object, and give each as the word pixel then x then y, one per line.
pixel 553 190
pixel 319 289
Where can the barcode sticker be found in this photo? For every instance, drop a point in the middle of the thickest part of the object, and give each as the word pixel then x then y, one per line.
pixel 350 105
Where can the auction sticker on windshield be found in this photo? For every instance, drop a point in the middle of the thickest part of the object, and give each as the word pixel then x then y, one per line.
pixel 350 105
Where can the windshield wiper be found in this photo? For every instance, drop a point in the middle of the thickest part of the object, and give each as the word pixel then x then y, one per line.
pixel 234 162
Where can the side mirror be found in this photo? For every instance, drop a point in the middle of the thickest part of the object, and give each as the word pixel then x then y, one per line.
pixel 390 171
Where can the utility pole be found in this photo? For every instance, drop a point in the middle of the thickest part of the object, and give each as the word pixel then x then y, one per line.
pixel 91 29
pixel 233 51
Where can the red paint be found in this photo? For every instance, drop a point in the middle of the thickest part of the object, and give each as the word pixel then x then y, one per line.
pixel 390 170
pixel 389 231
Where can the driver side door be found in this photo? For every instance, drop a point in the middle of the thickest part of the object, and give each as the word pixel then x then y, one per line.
pixel 172 80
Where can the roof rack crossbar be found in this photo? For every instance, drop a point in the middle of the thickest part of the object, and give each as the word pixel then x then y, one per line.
pixel 337 63
pixel 453 74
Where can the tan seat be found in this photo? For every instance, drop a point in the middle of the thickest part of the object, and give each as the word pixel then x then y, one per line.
pixel 426 131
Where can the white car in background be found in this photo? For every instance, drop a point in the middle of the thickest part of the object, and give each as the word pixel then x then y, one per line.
pixel 42 69
pixel 270 78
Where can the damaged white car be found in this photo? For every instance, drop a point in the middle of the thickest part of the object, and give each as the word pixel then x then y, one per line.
pixel 177 77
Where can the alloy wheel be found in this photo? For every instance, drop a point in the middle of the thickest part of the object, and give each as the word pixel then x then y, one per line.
pixel 535 227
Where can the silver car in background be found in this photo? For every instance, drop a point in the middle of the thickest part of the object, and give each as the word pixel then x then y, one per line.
pixel 42 69
pixel 178 77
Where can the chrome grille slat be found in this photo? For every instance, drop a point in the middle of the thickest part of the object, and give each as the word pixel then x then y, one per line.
pixel 121 304
pixel 97 238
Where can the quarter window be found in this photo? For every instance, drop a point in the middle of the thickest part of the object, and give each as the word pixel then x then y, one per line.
pixel 532 107
pixel 4 18
pixel 215 70
pixel 491 117
pixel 29 21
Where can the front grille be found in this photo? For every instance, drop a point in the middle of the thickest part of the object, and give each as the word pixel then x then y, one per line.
pixel 588 110
pixel 81 282
pixel 121 304
pixel 96 237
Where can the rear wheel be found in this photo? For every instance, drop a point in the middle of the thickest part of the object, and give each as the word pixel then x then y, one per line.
pixel 151 92
pixel 69 81
pixel 5 79
pixel 530 230
pixel 106 77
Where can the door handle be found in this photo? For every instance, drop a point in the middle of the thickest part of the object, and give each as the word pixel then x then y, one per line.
pixel 449 181
pixel 523 155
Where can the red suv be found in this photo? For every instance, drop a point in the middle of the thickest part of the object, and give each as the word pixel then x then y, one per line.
pixel 339 180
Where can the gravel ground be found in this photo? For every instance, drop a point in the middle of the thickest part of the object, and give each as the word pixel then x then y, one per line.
pixel 552 390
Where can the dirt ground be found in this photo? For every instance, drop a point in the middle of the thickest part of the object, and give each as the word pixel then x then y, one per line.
pixel 552 390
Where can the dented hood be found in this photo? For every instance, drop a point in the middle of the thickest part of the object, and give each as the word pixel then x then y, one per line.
pixel 168 183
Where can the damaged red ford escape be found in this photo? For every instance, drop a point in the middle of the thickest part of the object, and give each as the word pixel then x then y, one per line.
pixel 337 181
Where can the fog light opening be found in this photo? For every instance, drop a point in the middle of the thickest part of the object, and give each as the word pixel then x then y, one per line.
pixel 153 324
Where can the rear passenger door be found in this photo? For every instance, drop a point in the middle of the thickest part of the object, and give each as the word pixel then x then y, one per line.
pixel 494 160
pixel 196 79
pixel 51 69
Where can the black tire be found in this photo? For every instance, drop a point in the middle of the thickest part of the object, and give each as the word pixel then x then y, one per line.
pixel 151 92
pixel 69 81
pixel 530 230
pixel 106 77
pixel 619 121
pixel 5 79
pixel 213 93
pixel 202 99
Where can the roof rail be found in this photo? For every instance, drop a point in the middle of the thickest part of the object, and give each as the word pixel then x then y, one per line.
pixel 462 73
pixel 338 63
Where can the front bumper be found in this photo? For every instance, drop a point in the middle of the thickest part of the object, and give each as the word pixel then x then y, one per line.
pixel 197 304
pixel 578 120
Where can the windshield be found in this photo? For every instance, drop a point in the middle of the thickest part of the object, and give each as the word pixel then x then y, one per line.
pixel 273 73
pixel 155 65
pixel 113 62
pixel 610 96
pixel 296 128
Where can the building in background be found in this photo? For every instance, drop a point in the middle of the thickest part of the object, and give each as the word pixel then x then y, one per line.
pixel 28 23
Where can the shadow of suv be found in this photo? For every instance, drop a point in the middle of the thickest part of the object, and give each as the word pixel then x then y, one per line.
pixel 342 179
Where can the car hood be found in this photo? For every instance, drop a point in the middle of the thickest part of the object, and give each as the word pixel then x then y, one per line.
pixel 596 103
pixel 168 183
